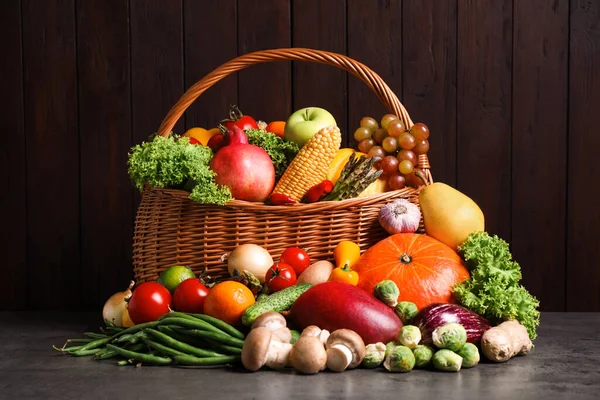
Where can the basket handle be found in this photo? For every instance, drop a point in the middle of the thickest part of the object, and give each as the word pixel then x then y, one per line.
pixel 374 81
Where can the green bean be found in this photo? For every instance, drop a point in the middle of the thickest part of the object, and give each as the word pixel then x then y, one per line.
pixel 188 323
pixel 82 352
pixel 80 340
pixel 124 338
pixel 206 361
pixel 175 314
pixel 93 335
pixel 224 326
pixel 106 354
pixel 122 362
pixel 181 346
pixel 136 328
pixel 223 348
pixel 163 349
pixel 168 330
pixel 145 358
pixel 66 349
pixel 223 339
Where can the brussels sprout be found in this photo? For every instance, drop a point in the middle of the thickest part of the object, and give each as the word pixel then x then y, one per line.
pixel 389 347
pixel 401 359
pixel 406 310
pixel 423 356
pixel 447 360
pixel 387 291
pixel 374 355
pixel 469 354
pixel 410 336
pixel 451 336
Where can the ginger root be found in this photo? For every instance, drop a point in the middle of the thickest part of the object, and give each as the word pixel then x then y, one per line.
pixel 505 341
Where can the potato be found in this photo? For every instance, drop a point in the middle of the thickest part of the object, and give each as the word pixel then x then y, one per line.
pixel 317 272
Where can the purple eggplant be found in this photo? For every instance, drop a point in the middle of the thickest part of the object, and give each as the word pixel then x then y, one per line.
pixel 435 315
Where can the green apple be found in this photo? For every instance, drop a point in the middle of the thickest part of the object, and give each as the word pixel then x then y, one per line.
pixel 305 123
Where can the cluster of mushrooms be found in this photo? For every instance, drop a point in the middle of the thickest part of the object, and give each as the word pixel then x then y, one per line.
pixel 269 344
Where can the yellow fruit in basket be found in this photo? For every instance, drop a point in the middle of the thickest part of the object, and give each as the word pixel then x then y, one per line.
pixel 339 160
pixel 449 215
pixel 200 134
pixel 379 186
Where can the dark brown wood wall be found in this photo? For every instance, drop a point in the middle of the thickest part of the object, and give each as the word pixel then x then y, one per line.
pixel 510 90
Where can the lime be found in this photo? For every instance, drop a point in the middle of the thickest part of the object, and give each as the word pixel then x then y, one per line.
pixel 173 276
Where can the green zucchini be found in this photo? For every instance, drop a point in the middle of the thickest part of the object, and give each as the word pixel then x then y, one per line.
pixel 278 302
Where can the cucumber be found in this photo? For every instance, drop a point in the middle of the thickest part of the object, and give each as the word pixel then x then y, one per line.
pixel 278 302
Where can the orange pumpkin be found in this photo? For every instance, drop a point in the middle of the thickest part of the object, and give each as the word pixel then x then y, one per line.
pixel 424 269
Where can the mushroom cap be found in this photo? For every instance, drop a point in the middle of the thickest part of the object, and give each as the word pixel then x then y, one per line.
pixel 254 351
pixel 350 339
pixel 283 334
pixel 308 355
pixel 311 330
pixel 271 320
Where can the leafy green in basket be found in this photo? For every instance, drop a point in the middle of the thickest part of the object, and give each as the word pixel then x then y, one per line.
pixel 282 152
pixel 173 162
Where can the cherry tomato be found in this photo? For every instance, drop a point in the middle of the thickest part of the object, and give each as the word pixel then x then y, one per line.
pixel 149 301
pixel 189 296
pixel 236 118
pixel 297 258
pixel 280 276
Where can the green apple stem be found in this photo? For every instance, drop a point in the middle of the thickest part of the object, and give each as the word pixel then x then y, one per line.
pixel 306 117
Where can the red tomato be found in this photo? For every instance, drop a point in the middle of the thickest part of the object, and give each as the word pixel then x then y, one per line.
pixel 236 118
pixel 280 276
pixel 216 142
pixel 149 301
pixel 297 258
pixel 189 296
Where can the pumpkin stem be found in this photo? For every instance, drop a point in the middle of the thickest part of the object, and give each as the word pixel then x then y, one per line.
pixel 405 258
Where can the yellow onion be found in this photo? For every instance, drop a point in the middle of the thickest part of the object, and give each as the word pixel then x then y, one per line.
pixel 251 258
pixel 115 305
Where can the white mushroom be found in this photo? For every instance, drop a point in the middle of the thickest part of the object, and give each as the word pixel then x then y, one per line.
pixel 275 323
pixel 315 331
pixel 262 348
pixel 345 350
pixel 308 356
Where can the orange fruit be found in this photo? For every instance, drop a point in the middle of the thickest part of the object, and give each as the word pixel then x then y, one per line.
pixel 227 301
pixel 200 134
pixel 276 127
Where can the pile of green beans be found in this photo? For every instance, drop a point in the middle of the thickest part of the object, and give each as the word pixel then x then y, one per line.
pixel 175 338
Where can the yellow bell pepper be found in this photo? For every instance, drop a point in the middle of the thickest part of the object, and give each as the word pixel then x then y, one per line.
pixel 344 274
pixel 346 252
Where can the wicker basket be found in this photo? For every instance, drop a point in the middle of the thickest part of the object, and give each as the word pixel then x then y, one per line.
pixel 171 229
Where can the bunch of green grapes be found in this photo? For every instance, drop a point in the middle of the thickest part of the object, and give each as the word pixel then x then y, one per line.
pixel 397 148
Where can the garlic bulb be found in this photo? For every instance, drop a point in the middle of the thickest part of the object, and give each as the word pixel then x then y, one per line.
pixel 400 216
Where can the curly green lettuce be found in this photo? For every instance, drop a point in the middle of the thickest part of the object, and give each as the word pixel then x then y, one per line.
pixel 281 152
pixel 174 162
pixel 493 290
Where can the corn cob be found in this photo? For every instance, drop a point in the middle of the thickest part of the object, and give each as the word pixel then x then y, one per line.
pixel 311 164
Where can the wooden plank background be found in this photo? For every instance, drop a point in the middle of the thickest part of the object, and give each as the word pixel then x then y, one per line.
pixel 510 90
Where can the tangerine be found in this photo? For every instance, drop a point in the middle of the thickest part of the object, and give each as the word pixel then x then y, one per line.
pixel 227 301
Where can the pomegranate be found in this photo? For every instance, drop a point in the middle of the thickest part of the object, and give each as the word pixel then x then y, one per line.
pixel 247 170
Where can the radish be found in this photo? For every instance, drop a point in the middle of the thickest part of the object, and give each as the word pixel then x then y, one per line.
pixel 338 305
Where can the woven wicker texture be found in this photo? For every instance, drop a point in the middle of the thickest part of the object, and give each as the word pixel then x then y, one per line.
pixel 170 229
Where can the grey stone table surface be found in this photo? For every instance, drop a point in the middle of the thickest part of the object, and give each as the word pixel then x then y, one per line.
pixel 564 365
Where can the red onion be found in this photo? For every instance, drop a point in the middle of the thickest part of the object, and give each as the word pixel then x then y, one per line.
pixel 437 314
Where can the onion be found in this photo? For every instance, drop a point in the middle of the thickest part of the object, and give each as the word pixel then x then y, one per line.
pixel 435 315
pixel 115 305
pixel 251 258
